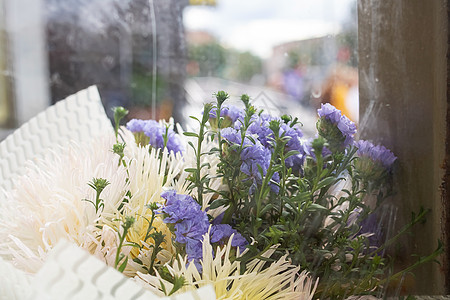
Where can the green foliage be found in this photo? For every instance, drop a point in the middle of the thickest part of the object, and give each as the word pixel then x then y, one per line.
pixel 157 236
pixel 98 184
pixel 198 180
pixel 247 66
pixel 142 86
pixel 320 214
pixel 211 58
pixel 119 114
pixel 177 281
pixel 120 258
pixel 214 60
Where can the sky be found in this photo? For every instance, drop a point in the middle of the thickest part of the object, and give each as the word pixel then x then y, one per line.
pixel 258 25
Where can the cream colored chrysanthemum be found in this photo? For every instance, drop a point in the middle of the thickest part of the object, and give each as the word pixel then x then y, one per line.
pixel 150 172
pixel 47 204
pixel 280 280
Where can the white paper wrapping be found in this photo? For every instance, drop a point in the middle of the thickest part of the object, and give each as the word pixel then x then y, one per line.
pixel 79 117
pixel 14 284
pixel 69 272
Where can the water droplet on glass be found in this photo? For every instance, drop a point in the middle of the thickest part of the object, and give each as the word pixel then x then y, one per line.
pixel 376 79
pixel 129 18
pixel 108 62
pixel 316 93
pixel 70 40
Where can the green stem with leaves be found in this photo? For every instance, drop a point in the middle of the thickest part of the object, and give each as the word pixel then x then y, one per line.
pixel 129 221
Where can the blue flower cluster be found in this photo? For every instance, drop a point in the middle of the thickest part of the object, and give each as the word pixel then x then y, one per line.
pixel 252 155
pixel 191 223
pixel 155 131
pixel 232 112
pixel 258 150
pixel 334 116
pixel 378 154
pixel 260 127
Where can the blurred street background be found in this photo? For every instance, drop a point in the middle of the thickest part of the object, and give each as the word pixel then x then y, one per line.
pixel 165 58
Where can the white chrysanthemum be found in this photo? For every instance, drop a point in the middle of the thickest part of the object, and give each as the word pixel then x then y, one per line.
pixel 280 280
pixel 150 172
pixel 47 204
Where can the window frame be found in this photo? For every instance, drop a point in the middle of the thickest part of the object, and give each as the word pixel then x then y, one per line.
pixel 404 104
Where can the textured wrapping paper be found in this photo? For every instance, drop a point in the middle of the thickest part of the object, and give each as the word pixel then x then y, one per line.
pixel 69 272
pixel 79 117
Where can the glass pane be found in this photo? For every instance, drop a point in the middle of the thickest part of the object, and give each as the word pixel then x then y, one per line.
pixel 288 55
pixel 165 58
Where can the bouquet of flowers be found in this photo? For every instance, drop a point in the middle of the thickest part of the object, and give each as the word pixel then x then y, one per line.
pixel 244 203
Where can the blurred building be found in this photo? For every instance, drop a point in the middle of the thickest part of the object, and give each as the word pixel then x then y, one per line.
pixel 302 68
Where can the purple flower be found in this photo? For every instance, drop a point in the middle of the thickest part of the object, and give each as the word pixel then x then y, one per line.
pixel 294 144
pixel 191 224
pixel 333 117
pixel 239 241
pixel 378 154
pixel 221 232
pixel 253 155
pixel 194 251
pixel 232 135
pixel 348 129
pixel 156 133
pixel 230 115
pixel 179 207
pixel 259 153
pixel 373 163
pixel 136 125
pixel 260 128
pixel 235 113
pixel 329 112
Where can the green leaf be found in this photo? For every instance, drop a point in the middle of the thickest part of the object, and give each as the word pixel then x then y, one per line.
pixel 194 118
pixel 205 165
pixel 301 197
pixel 132 244
pixel 315 206
pixel 291 153
pixel 326 182
pixel 190 170
pixel 190 134
pixel 234 147
pixel 251 139
pixel 178 283
pixel 266 208
pixel 123 265
pixel 193 147
pixel 218 203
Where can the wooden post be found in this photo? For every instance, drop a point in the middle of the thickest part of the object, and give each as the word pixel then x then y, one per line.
pixel 403 105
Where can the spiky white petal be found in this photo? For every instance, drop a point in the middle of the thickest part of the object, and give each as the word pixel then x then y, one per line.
pixel 280 280
pixel 47 204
